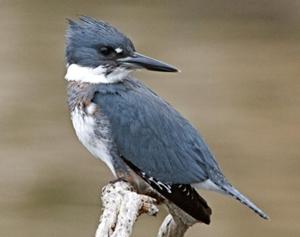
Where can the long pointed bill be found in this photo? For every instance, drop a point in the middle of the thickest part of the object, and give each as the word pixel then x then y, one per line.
pixel 140 61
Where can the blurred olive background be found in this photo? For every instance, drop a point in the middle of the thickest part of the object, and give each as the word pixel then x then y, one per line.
pixel 239 85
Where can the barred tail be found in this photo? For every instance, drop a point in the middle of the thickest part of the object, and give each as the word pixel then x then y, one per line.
pixel 230 190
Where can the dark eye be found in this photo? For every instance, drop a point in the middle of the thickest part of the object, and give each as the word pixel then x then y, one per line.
pixel 106 51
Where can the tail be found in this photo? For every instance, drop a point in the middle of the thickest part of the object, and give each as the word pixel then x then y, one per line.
pixel 230 190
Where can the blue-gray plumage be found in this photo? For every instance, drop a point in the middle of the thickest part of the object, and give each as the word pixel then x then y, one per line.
pixel 153 135
pixel 131 128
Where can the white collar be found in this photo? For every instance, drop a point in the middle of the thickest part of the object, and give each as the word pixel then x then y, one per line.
pixel 95 75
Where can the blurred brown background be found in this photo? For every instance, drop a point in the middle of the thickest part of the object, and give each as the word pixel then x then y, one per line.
pixel 239 85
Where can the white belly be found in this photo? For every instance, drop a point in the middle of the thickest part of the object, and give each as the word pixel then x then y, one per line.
pixel 85 125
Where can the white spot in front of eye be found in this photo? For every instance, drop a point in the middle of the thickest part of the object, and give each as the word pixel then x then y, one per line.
pixel 119 50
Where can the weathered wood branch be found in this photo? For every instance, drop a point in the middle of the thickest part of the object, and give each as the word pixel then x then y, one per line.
pixel 122 206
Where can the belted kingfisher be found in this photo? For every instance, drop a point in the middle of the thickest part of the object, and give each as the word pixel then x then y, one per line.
pixel 138 135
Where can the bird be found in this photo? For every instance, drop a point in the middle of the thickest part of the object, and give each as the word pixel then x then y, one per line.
pixel 136 133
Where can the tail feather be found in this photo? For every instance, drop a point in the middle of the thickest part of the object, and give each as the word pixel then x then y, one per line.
pixel 230 190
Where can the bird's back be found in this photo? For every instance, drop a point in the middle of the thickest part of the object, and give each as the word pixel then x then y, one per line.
pixel 153 135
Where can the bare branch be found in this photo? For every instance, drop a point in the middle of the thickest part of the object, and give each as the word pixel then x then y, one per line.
pixel 169 228
pixel 176 223
pixel 122 206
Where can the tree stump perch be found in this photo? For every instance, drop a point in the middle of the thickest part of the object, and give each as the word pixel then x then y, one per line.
pixel 122 206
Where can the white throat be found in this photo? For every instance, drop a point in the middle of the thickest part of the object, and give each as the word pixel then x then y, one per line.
pixel 95 75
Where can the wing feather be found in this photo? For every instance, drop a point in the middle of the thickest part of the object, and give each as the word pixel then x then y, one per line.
pixel 153 135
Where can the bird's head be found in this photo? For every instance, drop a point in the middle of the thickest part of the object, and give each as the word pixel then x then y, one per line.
pixel 97 52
